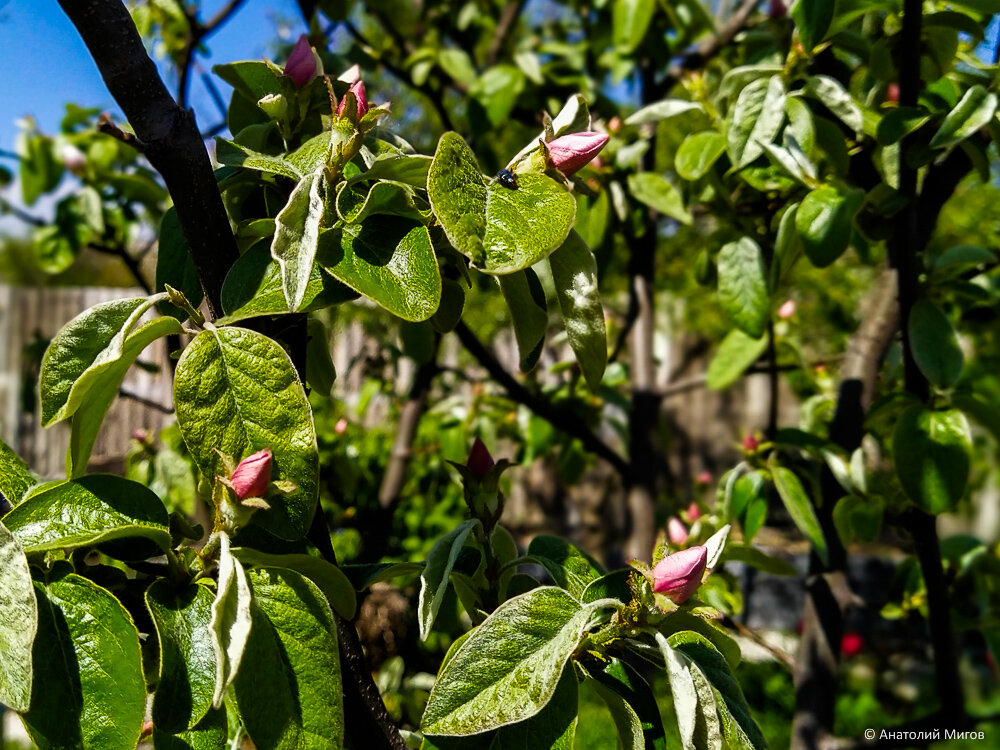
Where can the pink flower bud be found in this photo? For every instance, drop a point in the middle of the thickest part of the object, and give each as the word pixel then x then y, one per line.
pixel 568 153
pixel 704 477
pixel 778 9
pixel 677 532
pixel 694 511
pixel 679 575
pixel 358 89
pixel 750 443
pixel 787 309
pixel 851 644
pixel 341 427
pixel 252 475
pixel 73 158
pixel 480 461
pixel 892 93
pixel 301 65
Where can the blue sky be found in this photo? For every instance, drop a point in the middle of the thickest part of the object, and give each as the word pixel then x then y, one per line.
pixel 44 63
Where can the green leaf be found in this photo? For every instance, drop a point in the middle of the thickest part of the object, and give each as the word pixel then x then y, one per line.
pixel 296 236
pixel 812 19
pixel 800 508
pixel 253 288
pixel 355 203
pixel 237 392
pixel 682 690
pixel 697 153
pixel 409 169
pixel 211 733
pixel 736 353
pixel 234 155
pixel 292 696
pixel 529 312
pixel 898 123
pixel 837 99
pixel 786 247
pixel 496 92
pixel 760 560
pixel 973 111
pixel 935 344
pixel 629 21
pixel 187 657
pixel 174 265
pixel 390 260
pixel 508 669
pixel 824 220
pixel 857 518
pixel 252 78
pixel 39 170
pixel 738 726
pixel 99 386
pixel 743 286
pixel 89 691
pixel 661 111
pixel 657 192
pixel 624 717
pixel 18 625
pixel 709 630
pixel 620 680
pixel 434 577
pixel 336 587
pixel 15 476
pixel 570 567
pixel 88 511
pixel 932 453
pixel 613 585
pixel 552 728
pixel 230 624
pixel 755 119
pixel 574 273
pixel 499 229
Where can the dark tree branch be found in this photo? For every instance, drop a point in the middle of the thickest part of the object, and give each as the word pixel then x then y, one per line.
pixel 8 207
pixel 131 263
pixel 148 403
pixel 505 26
pixel 173 144
pixel 562 419
pixel 197 33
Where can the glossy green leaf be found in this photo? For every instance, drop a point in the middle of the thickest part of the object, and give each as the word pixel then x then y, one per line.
pixel 932 453
pixel 364 575
pixel 508 669
pixel 296 236
pixel 711 630
pixel 738 726
pixel 253 79
pixel 662 110
pixel 187 657
pixel 99 386
pixel 755 119
pixel 18 625
pixel 624 717
pixel 630 20
pixel 613 585
pixel 824 220
pixel 743 286
pixel 234 155
pixel 570 567
pixel 528 311
pixel 697 153
pixel 800 508
pixel 973 111
pixel 682 690
pixel 857 518
pixel 390 260
pixel 174 265
pixel 657 192
pixel 499 229
pixel 812 19
pixel 292 695
pixel 736 353
pixel 40 172
pixel 15 476
pixel 253 288
pixel 436 573
pixel 898 123
pixel 552 728
pixel 89 691
pixel 837 99
pixel 409 169
pixel 88 511
pixel 496 92
pixel 237 392
pixel 231 621
pixel 336 587
pixel 786 247
pixel 211 733
pixel 622 680
pixel 935 344
pixel 574 273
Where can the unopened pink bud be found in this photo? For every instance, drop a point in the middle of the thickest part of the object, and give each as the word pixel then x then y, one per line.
pixel 73 158
pixel 358 89
pixel 252 475
pixel 480 461
pixel 677 532
pixel 301 65
pixel 704 477
pixel 694 511
pixel 778 9
pixel 750 443
pixel 679 575
pixel 851 644
pixel 568 153
pixel 341 427
pixel 787 309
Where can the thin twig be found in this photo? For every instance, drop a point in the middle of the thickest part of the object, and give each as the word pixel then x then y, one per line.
pixel 8 207
pixel 107 126
pixel 778 653
pixel 131 263
pixel 508 18
pixel 149 403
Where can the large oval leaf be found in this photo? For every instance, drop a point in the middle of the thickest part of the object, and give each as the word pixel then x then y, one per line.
pixel 89 690
pixel 230 622
pixel 975 109
pixel 15 476
pixel 434 577
pixel 296 236
pixel 800 508
pixel 529 312
pixel 499 229
pixel 330 579
pixel 18 624
pixel 697 153
pixel 508 669
pixel 390 260
pixel 237 392
pixel 824 221
pixel 292 696
pixel 187 659
pixel 88 511
pixel 935 344
pixel 931 451
pixel 743 286
pixel 736 353
pixel 755 119
pixel 570 567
